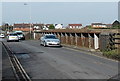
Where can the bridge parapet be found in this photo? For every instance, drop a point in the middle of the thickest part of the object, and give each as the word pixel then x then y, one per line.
pixel 92 38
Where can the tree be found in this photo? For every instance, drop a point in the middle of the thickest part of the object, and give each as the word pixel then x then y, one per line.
pixel 5 26
pixel 10 28
pixel 51 26
pixel 116 24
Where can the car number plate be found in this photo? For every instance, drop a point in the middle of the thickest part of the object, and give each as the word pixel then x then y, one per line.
pixel 12 37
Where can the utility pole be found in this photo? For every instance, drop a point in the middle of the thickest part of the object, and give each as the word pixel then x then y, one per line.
pixel 30 31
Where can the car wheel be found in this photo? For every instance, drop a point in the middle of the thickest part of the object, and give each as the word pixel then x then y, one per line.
pixel 23 38
pixel 41 44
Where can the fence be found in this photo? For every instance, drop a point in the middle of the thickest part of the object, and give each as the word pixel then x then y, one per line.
pixel 94 39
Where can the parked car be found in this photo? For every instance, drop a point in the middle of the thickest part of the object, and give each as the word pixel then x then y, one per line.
pixel 49 40
pixel 20 35
pixel 2 35
pixel 12 37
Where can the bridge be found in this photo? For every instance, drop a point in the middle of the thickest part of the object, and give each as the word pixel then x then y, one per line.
pixel 93 38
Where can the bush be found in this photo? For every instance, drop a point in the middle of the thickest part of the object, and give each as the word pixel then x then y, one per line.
pixel 51 26
pixel 114 54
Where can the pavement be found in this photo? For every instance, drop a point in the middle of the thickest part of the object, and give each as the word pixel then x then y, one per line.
pixel 7 71
pixel 93 51
pixel 0 61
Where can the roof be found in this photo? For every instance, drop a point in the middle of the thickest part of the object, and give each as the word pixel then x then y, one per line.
pixel 21 25
pixel 48 24
pixel 98 24
pixel 58 24
pixel 75 24
pixel 27 25
pixel 37 24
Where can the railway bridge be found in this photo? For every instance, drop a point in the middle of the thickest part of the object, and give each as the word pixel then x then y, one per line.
pixel 98 39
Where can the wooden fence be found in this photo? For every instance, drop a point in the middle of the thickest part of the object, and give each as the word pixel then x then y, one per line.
pixel 94 39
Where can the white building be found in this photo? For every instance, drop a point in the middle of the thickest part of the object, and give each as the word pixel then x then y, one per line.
pixel 58 26
pixel 45 28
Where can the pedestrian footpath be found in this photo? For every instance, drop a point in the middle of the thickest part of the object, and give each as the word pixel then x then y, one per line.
pixel 7 71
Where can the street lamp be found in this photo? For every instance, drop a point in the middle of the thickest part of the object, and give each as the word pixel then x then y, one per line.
pixel 29 18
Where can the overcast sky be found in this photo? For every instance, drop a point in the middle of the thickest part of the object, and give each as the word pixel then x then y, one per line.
pixel 59 12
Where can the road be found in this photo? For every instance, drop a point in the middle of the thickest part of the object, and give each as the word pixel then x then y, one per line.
pixel 61 62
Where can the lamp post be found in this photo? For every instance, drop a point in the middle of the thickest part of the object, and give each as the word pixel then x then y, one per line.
pixel 30 21
pixel 30 31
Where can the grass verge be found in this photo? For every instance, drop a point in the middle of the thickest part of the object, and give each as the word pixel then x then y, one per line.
pixel 114 54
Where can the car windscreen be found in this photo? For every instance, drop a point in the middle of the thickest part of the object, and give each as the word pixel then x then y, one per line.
pixel 50 37
pixel 20 33
pixel 13 35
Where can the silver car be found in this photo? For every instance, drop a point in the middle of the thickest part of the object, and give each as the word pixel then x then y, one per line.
pixel 49 40
pixel 12 37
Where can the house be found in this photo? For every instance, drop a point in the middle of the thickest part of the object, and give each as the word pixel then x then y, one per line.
pixel 38 26
pixel 78 26
pixel 109 25
pixel 100 25
pixel 22 27
pixel 58 26
pixel 27 27
pixel 46 26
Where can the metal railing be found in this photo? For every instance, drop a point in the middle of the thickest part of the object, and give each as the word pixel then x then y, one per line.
pixel 18 70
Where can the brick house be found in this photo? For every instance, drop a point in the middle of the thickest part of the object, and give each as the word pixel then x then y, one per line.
pixel 21 27
pixel 27 26
pixel 78 26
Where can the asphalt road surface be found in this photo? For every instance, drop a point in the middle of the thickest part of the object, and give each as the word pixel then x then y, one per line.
pixel 61 62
